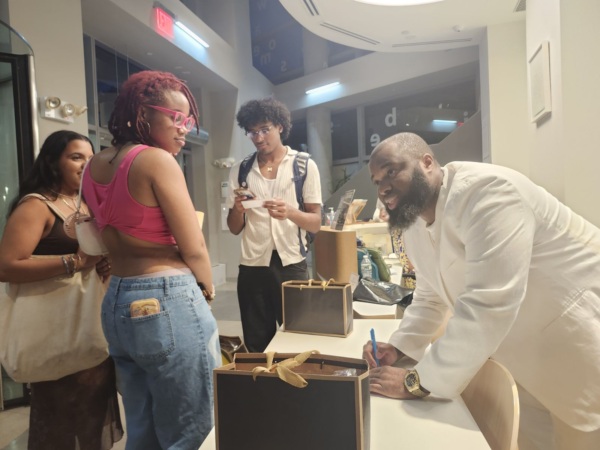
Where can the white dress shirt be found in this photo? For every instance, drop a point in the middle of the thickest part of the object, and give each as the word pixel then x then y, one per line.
pixel 519 272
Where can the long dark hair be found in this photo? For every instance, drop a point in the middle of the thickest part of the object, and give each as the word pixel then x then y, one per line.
pixel 148 87
pixel 45 175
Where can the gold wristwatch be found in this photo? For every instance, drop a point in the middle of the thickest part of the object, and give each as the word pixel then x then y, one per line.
pixel 413 384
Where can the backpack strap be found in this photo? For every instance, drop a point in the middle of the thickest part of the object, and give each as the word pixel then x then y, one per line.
pixel 300 168
pixel 245 167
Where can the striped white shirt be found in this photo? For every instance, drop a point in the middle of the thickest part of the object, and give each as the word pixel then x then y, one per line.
pixel 262 234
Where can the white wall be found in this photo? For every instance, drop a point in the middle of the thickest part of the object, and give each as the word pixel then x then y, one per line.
pixel 580 64
pixel 564 152
pixel 506 89
pixel 546 137
pixel 55 34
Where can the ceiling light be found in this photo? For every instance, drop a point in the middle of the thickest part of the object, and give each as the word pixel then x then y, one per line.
pixel 193 35
pixel 323 88
pixel 398 2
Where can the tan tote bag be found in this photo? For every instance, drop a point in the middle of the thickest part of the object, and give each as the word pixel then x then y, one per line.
pixel 51 328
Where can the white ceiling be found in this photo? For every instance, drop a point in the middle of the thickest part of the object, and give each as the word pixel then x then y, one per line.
pixel 435 26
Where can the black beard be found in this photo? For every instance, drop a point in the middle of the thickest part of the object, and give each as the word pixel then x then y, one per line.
pixel 413 203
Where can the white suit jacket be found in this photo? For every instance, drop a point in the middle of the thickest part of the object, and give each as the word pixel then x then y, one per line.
pixel 519 273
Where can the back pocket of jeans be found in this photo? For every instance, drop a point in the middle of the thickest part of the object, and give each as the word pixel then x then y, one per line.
pixel 152 336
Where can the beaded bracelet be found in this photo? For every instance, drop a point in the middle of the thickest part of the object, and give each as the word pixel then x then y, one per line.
pixel 70 263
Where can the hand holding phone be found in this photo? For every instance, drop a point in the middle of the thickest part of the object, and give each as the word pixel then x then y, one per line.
pixel 243 191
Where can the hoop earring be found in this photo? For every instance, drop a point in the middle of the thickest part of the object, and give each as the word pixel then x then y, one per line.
pixel 129 124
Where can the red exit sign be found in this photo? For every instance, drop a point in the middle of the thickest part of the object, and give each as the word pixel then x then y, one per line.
pixel 163 22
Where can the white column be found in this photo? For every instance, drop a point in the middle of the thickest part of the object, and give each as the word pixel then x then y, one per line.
pixel 318 131
pixel 318 119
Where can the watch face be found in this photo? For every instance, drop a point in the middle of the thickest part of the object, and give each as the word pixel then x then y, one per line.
pixel 411 379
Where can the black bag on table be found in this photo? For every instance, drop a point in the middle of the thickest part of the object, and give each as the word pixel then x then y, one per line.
pixel 382 293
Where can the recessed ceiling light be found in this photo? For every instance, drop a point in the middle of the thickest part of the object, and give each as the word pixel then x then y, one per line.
pixel 397 2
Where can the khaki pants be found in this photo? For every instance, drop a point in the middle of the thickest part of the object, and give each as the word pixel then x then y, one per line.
pixel 541 430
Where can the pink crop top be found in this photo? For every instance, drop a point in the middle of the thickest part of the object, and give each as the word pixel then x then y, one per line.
pixel 112 204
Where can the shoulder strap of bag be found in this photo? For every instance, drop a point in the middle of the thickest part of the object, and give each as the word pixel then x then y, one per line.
pixel 48 203
pixel 81 186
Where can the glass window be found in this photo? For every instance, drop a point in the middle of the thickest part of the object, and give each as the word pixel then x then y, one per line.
pixel 344 135
pixel 112 69
pixel 341 174
pixel 89 79
pixel 9 173
pixel 16 120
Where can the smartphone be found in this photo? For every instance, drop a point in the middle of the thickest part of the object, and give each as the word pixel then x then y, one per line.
pixel 144 307
pixel 243 191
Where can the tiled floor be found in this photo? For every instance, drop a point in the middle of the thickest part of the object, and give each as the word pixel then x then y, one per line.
pixel 14 422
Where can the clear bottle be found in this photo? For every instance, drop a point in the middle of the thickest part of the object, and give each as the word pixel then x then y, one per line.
pixel 365 267
pixel 330 216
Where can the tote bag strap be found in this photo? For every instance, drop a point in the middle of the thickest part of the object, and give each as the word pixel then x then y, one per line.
pixel 81 185
pixel 48 203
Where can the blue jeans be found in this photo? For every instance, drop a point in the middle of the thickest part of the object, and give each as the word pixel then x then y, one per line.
pixel 164 361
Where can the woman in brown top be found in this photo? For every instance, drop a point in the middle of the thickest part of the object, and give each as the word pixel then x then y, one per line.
pixel 78 411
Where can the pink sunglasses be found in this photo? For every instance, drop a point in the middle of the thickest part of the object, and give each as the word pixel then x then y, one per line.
pixel 179 120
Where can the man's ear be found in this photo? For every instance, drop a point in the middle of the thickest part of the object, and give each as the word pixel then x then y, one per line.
pixel 428 161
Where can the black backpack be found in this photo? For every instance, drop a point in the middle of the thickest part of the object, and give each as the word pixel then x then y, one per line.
pixel 300 166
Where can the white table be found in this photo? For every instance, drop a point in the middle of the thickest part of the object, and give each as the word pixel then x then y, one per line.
pixel 374 311
pixel 428 424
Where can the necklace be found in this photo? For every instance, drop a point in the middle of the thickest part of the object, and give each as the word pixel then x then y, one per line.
pixel 271 165
pixel 73 206
pixel 63 197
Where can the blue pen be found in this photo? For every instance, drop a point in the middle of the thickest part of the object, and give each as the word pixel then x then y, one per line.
pixel 374 342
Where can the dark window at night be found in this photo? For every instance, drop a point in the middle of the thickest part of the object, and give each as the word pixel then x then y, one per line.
pixel 344 138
